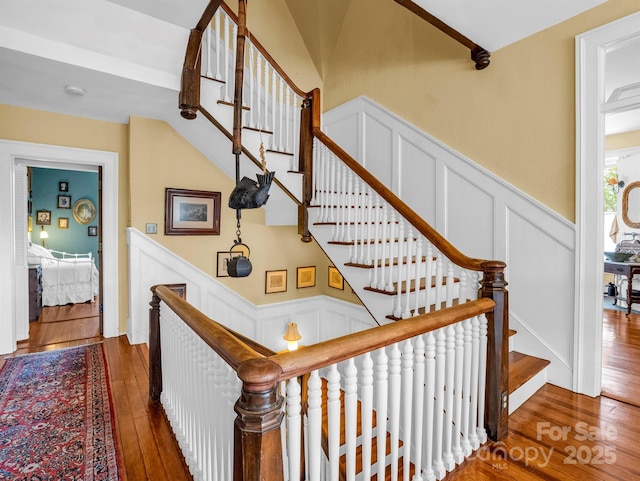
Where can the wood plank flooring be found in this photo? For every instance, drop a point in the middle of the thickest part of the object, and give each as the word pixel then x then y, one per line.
pixel 556 435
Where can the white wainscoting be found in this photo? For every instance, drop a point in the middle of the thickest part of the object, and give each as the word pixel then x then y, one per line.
pixel 319 318
pixel 483 216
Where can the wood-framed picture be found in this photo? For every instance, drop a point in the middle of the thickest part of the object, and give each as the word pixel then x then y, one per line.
pixel 191 212
pixel 305 277
pixel 335 278
pixel 64 202
pixel 275 281
pixel 63 222
pixel 223 257
pixel 63 186
pixel 43 217
pixel 92 230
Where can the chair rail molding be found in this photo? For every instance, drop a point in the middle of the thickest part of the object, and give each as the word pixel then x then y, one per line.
pixel 482 215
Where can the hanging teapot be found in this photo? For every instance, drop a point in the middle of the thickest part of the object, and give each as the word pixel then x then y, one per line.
pixel 238 265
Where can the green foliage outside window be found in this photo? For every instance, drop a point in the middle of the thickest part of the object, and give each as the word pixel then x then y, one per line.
pixel 610 198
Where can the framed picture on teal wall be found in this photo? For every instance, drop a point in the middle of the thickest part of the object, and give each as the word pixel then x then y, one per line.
pixel 64 202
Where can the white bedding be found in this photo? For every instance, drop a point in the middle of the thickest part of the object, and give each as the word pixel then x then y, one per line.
pixel 66 279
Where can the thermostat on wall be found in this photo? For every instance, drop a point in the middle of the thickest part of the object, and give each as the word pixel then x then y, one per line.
pixel 152 228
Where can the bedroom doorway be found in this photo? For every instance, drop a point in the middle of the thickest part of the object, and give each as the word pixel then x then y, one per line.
pixel 65 297
pixel 14 156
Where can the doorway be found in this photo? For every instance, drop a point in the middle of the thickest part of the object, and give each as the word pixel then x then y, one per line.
pixel 13 267
pixel 591 49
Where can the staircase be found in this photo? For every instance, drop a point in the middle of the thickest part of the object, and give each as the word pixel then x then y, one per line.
pixel 396 264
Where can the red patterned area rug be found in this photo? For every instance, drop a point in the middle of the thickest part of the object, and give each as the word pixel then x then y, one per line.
pixel 56 417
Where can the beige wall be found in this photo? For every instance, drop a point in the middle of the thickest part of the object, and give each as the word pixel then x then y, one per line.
pixel 516 118
pixel 622 141
pixel 40 127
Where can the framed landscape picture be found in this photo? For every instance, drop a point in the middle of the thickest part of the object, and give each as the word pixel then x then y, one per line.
pixel 191 212
pixel 276 281
pixel 305 277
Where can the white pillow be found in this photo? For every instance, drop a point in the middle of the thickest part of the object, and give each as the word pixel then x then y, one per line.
pixel 36 253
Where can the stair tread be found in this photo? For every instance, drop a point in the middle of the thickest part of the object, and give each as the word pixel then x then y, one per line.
pixel 523 367
pixel 422 310
pixel 412 287
pixel 512 332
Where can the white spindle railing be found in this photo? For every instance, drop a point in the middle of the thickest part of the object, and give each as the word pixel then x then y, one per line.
pixel 198 395
pixel 415 401
pixel 401 260
pixel 272 106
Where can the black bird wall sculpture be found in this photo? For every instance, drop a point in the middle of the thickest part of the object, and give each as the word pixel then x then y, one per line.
pixel 249 194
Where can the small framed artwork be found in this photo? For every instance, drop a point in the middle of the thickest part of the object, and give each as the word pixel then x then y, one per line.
pixel 63 223
pixel 305 277
pixel 92 231
pixel 276 281
pixel 223 257
pixel 191 212
pixel 178 289
pixel 43 217
pixel 64 202
pixel 63 186
pixel 335 278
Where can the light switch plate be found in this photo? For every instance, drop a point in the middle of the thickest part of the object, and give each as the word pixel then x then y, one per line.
pixel 152 228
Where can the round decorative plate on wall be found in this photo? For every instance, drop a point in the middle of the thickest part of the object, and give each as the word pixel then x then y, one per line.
pixel 84 211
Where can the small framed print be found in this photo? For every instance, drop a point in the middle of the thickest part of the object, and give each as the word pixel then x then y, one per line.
pixel 223 257
pixel 335 278
pixel 92 231
pixel 64 202
pixel 63 222
pixel 305 277
pixel 43 217
pixel 276 281
pixel 63 186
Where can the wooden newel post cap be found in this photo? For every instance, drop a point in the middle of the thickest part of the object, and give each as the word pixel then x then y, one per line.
pixel 259 407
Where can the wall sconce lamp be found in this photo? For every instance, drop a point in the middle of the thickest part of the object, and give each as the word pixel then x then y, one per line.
pixel 615 184
pixel 43 235
pixel 292 336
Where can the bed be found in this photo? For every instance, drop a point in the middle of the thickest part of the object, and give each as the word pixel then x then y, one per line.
pixel 66 278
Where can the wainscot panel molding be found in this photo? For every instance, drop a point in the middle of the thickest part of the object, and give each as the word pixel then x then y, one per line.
pixel 482 215
pixel 319 318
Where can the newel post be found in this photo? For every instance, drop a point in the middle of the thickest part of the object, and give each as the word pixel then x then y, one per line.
pixel 155 356
pixel 257 442
pixel 497 392
pixel 305 162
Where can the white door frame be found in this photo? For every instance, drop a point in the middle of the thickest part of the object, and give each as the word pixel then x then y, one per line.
pixel 23 153
pixel 590 96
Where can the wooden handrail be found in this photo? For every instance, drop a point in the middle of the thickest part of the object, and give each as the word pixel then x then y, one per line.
pixel 248 154
pixel 266 54
pixel 442 244
pixel 317 356
pixel 478 54
pixel 226 345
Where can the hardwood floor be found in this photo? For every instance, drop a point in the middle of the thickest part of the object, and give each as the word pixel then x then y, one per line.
pixel 621 356
pixel 556 435
pixel 148 449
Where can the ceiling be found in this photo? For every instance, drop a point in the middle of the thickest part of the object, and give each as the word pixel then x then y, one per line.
pixel 104 45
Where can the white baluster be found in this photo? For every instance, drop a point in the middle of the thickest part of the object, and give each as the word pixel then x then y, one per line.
pixel 274 125
pixel 267 89
pixel 439 283
pixel 418 276
pixel 378 246
pixel 438 464
pixel 475 364
pixel 228 46
pixel 287 130
pixel 397 312
pixel 252 84
pixel 259 123
pixel 407 399
pixel 281 129
pixel 314 415
pixel 351 416
pixel 450 360
pixel 370 227
pixel 466 388
pixel 366 390
pixel 216 23
pixel 348 203
pixel 458 454
pixel 389 287
pixel 333 413
pixel 428 269
pixel 208 63
pixel 430 379
pixel 449 286
pixel 408 261
pixel 418 405
pixel 357 227
pixel 482 379
pixel 332 190
pixel 394 407
pixel 382 392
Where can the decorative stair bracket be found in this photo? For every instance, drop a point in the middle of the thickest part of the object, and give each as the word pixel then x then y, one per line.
pixel 478 54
